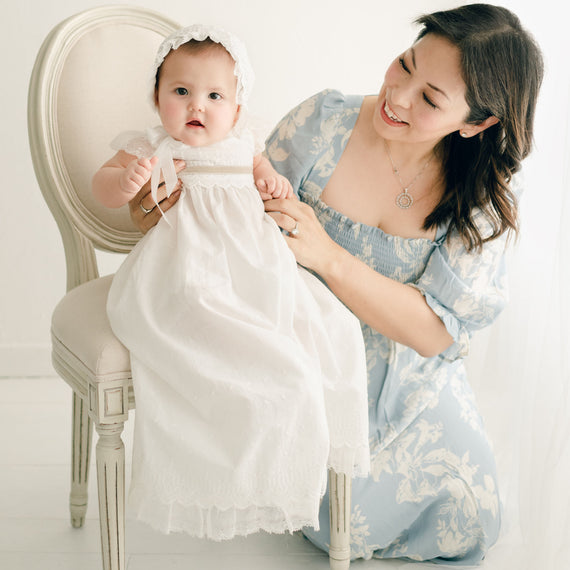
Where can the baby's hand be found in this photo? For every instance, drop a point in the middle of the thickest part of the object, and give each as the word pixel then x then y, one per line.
pixel 137 174
pixel 276 186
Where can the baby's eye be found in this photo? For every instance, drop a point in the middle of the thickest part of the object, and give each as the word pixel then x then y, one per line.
pixel 181 91
pixel 215 96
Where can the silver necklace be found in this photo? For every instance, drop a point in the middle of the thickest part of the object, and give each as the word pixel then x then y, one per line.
pixel 403 199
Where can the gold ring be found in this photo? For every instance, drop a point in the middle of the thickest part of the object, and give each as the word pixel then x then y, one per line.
pixel 144 210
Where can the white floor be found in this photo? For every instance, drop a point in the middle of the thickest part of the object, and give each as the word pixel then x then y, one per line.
pixel 35 532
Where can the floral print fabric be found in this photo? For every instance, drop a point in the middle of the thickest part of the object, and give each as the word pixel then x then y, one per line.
pixel 432 492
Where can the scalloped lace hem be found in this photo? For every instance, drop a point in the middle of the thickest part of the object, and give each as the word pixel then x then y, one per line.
pixel 220 524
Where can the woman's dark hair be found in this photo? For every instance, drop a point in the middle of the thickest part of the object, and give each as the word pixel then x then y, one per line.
pixel 502 68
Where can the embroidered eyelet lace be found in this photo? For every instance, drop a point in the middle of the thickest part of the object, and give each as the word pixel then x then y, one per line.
pixel 250 375
pixel 234 46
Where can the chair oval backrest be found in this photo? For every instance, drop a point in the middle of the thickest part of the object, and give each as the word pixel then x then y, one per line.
pixel 91 81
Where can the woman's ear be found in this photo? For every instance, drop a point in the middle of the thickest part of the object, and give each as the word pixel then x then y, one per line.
pixel 472 130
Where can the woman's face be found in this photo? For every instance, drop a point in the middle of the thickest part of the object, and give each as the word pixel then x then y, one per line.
pixel 423 96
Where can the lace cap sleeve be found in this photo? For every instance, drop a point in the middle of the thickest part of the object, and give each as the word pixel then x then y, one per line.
pixel 133 142
pixel 253 127
pixel 260 130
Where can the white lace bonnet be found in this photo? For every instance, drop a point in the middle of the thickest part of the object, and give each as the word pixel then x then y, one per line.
pixel 234 46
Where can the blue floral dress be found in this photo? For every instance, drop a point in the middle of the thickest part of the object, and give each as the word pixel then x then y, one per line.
pixel 432 491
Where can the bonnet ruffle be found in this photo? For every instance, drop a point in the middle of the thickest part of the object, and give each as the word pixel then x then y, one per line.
pixel 234 46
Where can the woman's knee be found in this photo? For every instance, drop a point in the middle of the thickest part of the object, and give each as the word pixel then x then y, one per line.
pixel 463 522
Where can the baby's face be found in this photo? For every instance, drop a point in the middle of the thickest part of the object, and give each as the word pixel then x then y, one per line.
pixel 197 96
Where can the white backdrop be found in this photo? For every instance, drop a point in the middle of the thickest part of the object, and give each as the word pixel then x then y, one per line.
pixel 520 368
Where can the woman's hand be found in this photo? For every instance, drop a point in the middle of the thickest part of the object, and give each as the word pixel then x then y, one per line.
pixel 144 212
pixel 308 240
pixel 396 310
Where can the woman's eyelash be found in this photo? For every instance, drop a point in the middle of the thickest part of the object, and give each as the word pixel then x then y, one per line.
pixel 403 65
pixel 426 98
pixel 429 102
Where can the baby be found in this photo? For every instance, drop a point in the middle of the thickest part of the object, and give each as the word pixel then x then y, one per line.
pixel 249 374
pixel 195 95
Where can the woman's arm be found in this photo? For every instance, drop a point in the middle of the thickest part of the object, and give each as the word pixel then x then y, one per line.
pixel 399 312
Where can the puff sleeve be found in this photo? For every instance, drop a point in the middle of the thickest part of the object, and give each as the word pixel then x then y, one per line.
pixel 296 143
pixel 467 290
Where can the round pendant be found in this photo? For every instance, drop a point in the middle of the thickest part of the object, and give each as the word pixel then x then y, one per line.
pixel 404 200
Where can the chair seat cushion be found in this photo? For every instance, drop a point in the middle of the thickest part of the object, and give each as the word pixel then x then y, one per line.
pixel 82 335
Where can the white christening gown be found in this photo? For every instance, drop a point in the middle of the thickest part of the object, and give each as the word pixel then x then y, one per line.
pixel 249 374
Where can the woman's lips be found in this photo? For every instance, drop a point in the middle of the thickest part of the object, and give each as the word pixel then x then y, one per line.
pixel 391 120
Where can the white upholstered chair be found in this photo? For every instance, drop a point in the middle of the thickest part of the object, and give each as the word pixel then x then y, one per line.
pixel 90 82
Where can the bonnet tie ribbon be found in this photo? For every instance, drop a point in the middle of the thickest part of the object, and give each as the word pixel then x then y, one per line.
pixel 165 165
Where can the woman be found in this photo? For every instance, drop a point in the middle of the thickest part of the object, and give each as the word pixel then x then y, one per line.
pixel 405 209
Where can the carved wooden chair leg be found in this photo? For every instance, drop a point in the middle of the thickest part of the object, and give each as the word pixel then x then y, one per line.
pixel 110 453
pixel 82 429
pixel 340 487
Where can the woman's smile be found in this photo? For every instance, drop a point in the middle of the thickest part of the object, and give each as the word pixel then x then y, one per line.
pixel 390 116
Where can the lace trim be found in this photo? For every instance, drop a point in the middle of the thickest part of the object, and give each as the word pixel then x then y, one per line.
pixel 206 169
pixel 217 524
pixel 234 46
pixel 210 519
pixel 133 142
